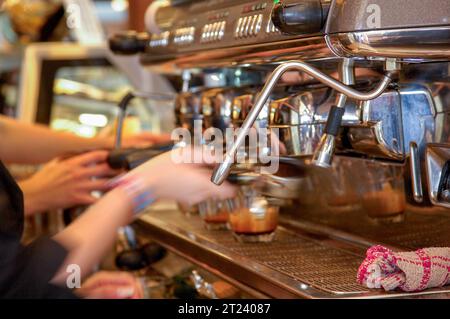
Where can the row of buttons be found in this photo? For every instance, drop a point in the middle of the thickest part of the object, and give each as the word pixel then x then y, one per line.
pixel 184 35
pixel 160 40
pixel 271 28
pixel 213 32
pixel 248 26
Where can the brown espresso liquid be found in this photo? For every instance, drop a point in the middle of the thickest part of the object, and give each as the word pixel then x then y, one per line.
pixel 243 222
pixel 384 203
pixel 220 218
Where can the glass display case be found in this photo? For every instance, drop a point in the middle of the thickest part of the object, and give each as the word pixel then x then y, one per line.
pixel 76 88
pixel 85 100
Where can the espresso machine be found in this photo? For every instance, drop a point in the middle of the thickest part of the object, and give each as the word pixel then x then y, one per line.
pixel 358 93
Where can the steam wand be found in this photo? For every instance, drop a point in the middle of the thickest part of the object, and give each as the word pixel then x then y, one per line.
pixel 221 172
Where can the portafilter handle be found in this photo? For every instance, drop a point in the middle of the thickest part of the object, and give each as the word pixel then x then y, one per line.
pixel 221 171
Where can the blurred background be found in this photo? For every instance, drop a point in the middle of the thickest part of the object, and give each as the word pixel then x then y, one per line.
pixel 55 67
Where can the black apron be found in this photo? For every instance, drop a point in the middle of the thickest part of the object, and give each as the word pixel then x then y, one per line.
pixel 25 271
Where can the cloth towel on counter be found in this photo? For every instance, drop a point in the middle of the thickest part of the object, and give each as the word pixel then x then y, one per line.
pixel 408 271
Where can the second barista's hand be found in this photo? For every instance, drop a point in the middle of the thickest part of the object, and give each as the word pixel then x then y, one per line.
pixel 66 183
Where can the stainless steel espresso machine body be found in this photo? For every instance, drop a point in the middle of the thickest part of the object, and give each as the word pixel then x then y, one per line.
pixel 359 92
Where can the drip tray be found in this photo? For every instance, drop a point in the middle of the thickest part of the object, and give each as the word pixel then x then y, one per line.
pixel 295 264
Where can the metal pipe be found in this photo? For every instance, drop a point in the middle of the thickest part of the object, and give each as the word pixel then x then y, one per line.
pixel 222 171
pixel 123 106
pixel 347 71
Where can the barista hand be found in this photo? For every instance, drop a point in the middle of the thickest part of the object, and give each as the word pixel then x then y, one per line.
pixel 111 285
pixel 66 183
pixel 91 235
pixel 186 182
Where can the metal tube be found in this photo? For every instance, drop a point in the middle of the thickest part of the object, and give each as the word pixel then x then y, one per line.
pixel 347 71
pixel 120 121
pixel 123 106
pixel 222 171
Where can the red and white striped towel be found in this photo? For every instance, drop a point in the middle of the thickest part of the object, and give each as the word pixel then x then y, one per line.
pixel 408 271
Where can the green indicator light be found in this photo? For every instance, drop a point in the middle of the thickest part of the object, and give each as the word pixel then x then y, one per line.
pixel 276 1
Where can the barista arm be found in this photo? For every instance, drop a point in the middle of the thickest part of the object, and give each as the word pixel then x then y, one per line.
pixel 33 144
pixel 93 233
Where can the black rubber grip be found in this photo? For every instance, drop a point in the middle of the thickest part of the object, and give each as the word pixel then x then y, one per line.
pixel 128 43
pixel 123 104
pixel 117 159
pixel 133 157
pixel 334 120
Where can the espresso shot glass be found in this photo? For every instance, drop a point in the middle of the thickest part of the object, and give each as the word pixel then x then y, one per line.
pixel 188 210
pixel 252 218
pixel 214 214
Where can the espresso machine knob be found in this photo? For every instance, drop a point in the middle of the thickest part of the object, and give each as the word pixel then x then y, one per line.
pixel 129 42
pixel 299 17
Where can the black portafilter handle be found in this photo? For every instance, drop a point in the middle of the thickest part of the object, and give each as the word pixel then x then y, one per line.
pixel 117 159
pixel 138 158
pixel 141 257
pixel 128 42
pixel 131 260
pixel 130 158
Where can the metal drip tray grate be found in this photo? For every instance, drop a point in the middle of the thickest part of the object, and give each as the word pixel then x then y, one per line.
pixel 419 228
pixel 303 260
pixel 310 262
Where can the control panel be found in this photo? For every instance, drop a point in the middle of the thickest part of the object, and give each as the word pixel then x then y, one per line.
pixel 206 25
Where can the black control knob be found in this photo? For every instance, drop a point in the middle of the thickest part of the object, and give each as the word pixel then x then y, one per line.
pixel 298 17
pixel 128 43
